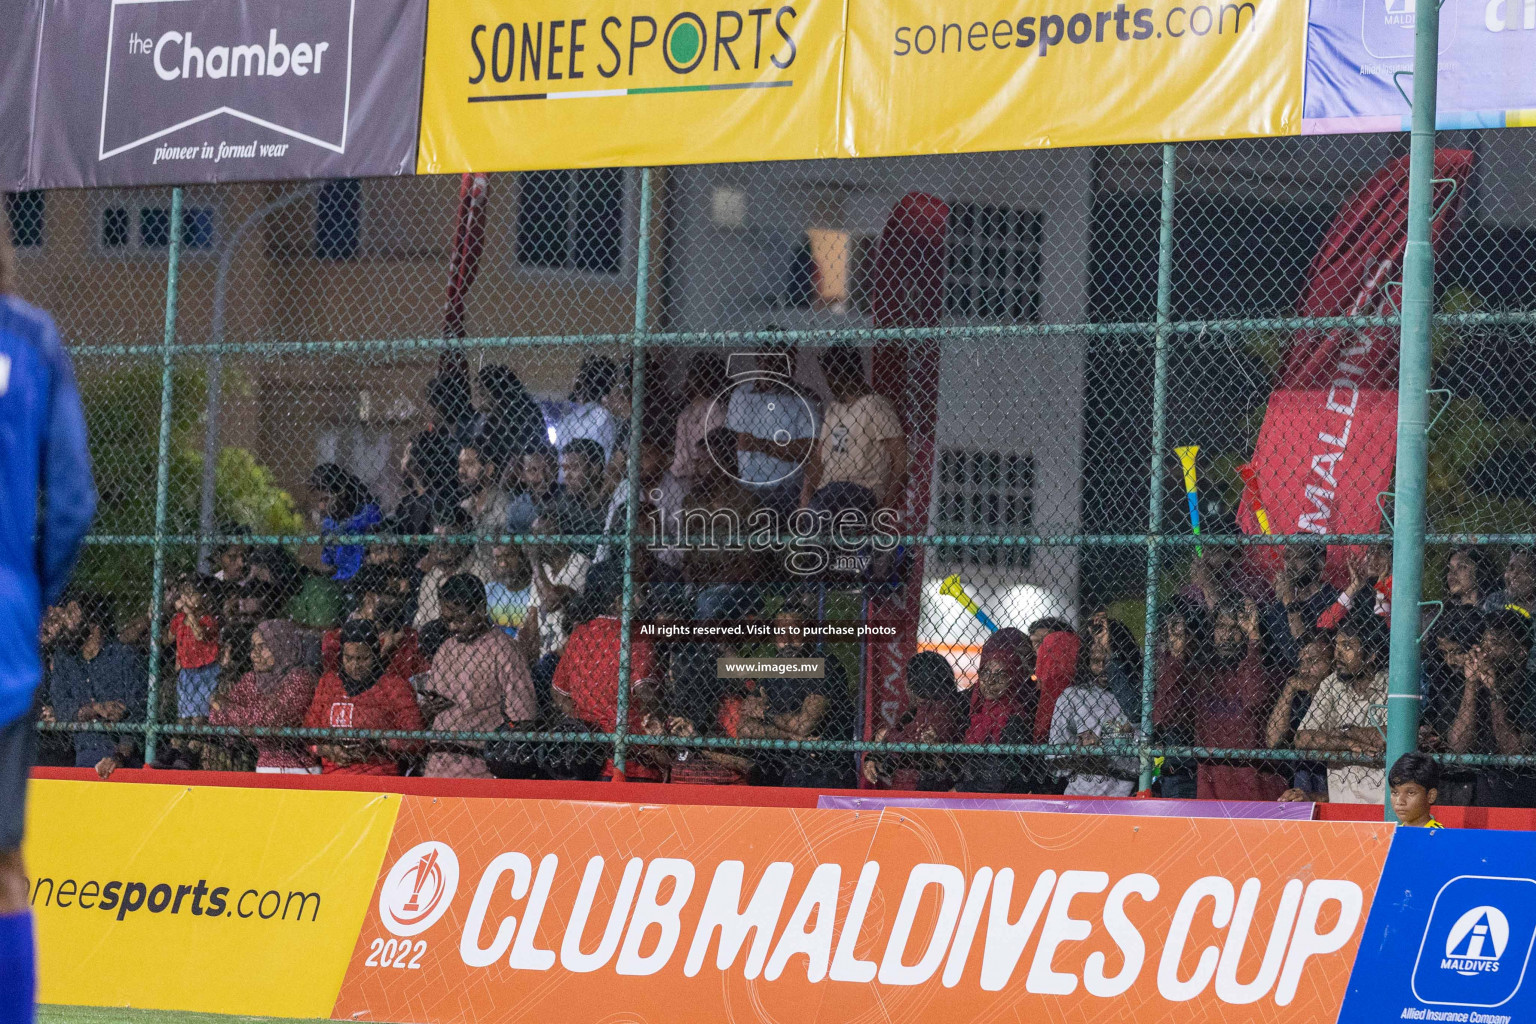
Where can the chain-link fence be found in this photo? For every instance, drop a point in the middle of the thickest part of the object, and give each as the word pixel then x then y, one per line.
pixel 1026 472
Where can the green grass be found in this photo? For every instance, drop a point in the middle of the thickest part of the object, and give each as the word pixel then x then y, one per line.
pixel 111 1015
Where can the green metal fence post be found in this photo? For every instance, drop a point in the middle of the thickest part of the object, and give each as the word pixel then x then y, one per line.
pixel 1408 521
pixel 1159 443
pixel 632 472
pixel 162 476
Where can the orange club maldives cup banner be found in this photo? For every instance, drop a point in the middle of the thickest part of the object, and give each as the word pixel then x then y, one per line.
pixel 503 911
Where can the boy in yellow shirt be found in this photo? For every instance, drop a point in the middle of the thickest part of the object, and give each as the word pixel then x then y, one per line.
pixel 1415 782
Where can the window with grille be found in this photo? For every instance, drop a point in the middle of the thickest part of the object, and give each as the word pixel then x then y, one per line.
pixel 986 492
pixel 994 263
pixel 128 229
pixel 338 219
pixel 572 220
pixel 24 211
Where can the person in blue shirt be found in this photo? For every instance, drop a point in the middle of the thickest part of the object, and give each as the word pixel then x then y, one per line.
pixel 344 506
pixel 47 501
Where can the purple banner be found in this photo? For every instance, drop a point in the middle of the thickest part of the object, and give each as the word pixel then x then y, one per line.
pixel 1360 59
pixel 1139 807
pixel 143 92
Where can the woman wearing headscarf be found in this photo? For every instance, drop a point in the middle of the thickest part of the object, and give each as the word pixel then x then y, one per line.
pixel 275 692
pixel 362 694
pixel 1055 664
pixel 1003 703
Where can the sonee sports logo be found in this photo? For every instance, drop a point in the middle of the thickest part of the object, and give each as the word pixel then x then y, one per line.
pixel 1477 943
pixel 419 889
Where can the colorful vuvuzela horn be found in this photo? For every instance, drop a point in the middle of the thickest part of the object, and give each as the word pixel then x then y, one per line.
pixel 952 587
pixel 1187 456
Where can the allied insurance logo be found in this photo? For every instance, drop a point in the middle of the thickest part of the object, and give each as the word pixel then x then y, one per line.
pixel 1478 942
pixel 419 889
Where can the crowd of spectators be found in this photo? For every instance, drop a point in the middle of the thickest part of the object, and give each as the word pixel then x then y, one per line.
pixel 487 603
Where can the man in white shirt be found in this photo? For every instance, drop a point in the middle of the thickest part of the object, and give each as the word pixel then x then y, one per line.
pixel 661 504
pixel 1349 709
pixel 775 428
pixel 589 417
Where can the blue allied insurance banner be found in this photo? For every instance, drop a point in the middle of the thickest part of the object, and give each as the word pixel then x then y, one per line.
pixel 1451 933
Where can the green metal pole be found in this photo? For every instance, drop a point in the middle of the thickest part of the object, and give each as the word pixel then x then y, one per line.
pixel 162 477
pixel 1408 521
pixel 1159 447
pixel 632 473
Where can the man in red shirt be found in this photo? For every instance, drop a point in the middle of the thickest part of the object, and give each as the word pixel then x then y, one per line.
pixel 381 601
pixel 1232 699
pixel 360 694
pixel 586 683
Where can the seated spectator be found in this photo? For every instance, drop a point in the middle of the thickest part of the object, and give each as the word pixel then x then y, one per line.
pixel 513 421
pixel 589 417
pixel 479 679
pixel 705 412
pixel 661 496
pixel 275 570
pixel 380 601
pixel 559 574
pixel 1042 628
pixel 1088 714
pixel 1232 703
pixel 1222 575
pixel 362 695
pixel 1309 779
pixel 716 523
pixel 443 559
pixel 1003 712
pixel 1415 783
pixel 232 561
pixel 276 692
pixel 1182 635
pixel 1302 598
pixel 775 428
pixel 620 402
pixel 485 502
pixel 702 766
pixel 1468 577
pixel 94 678
pixel 935 715
pixel 538 486
pixel 1348 709
pixel 1497 714
pixel 1055 666
pixel 1453 635
pixel 509 591
pixel 585 504
pixel 343 505
pixel 242 608
pixel 804 709
pixel 860 461
pixel 586 682
pixel 1519 592
pixel 1370 585
pixel 433 454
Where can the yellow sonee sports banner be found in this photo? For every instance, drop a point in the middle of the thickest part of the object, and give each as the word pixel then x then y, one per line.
pixel 586 83
pixel 957 76
pixel 220 900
